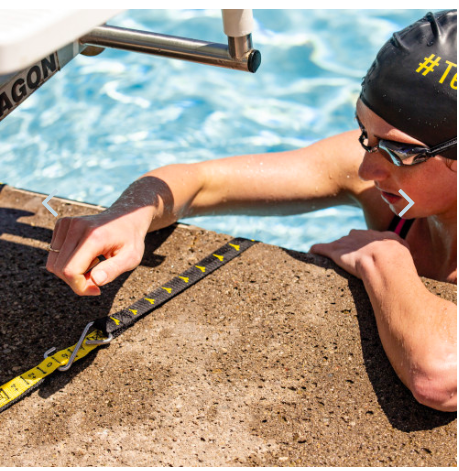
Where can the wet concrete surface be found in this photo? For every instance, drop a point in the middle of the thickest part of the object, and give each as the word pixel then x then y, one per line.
pixel 274 359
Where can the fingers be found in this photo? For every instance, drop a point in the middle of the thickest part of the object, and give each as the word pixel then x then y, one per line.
pixel 57 257
pixel 95 262
pixel 106 271
pixel 80 241
pixel 321 249
pixel 70 263
pixel 57 241
pixel 315 248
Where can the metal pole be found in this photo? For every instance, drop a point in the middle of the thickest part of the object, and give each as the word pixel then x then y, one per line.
pixel 175 47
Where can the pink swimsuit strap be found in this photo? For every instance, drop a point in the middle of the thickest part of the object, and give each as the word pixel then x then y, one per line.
pixel 400 226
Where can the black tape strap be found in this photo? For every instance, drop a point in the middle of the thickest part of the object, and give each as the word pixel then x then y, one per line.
pixel 117 323
pixel 16 389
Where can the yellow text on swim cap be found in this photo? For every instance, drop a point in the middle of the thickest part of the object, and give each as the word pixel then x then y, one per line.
pixel 431 62
pixel 453 83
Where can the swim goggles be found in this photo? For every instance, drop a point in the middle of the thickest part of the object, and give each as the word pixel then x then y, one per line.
pixel 401 154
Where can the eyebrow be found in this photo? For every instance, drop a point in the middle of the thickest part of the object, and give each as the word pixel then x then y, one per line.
pixel 375 135
pixel 383 138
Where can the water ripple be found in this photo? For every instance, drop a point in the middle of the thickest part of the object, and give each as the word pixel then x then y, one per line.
pixel 103 121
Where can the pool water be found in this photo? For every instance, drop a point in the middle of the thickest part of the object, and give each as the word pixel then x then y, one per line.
pixel 103 121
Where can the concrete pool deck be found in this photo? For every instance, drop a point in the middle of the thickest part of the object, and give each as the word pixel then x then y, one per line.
pixel 274 359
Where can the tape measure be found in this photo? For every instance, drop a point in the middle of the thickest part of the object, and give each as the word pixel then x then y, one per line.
pixel 106 328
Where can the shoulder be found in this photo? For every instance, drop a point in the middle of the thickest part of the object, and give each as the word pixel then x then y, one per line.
pixel 342 156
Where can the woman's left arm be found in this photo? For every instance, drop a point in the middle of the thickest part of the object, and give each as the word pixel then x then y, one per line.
pixel 418 330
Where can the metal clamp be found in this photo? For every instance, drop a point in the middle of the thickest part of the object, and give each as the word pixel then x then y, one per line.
pixel 78 346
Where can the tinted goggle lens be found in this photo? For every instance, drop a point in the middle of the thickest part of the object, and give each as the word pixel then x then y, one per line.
pixel 396 152
pixel 401 154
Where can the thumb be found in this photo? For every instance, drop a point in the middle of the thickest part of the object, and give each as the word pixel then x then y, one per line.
pixel 111 268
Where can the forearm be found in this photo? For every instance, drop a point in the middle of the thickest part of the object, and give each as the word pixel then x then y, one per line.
pixel 164 195
pixel 159 197
pixel 417 329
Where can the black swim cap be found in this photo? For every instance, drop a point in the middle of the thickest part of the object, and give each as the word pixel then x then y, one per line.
pixel 412 84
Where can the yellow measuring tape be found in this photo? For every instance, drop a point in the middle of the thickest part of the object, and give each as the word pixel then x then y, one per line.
pixel 19 385
pixel 109 327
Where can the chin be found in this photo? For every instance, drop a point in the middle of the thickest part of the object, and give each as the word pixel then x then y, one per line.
pixel 412 213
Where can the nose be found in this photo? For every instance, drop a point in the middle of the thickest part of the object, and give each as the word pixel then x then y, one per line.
pixel 374 167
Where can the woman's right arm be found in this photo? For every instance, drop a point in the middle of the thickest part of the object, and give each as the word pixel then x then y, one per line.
pixel 321 175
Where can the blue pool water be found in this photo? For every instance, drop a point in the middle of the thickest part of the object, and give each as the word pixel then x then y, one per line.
pixel 103 121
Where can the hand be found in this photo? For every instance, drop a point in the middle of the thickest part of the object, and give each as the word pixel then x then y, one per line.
pixel 358 249
pixel 80 240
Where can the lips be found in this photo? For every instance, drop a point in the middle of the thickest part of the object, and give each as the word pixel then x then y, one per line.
pixel 390 198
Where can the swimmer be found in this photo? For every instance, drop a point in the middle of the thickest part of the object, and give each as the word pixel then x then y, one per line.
pixel 405 138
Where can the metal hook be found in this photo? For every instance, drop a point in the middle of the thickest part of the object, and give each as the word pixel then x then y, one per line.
pixel 49 352
pixel 78 346
pixel 100 341
pixel 75 350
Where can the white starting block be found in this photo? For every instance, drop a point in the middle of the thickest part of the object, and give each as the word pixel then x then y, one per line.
pixel 27 36
pixel 36 44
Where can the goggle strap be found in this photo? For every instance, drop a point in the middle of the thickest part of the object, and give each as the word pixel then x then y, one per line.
pixel 438 149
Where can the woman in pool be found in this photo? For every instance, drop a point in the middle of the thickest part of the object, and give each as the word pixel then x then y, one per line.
pixel 406 141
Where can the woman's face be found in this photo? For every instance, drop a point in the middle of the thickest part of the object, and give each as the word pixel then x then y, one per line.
pixel 432 185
